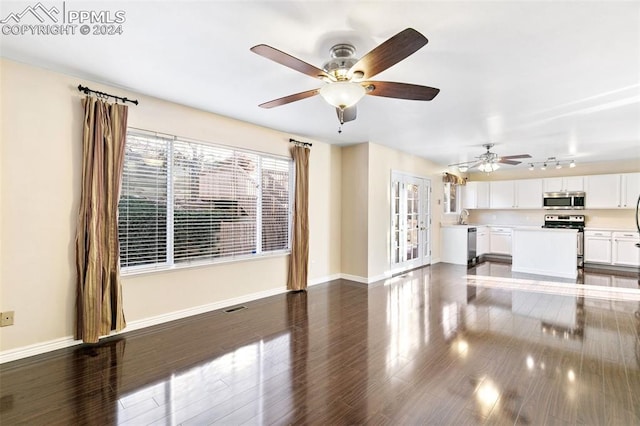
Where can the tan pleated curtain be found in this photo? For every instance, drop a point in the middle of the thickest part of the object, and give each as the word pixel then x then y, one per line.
pixel 99 293
pixel 299 259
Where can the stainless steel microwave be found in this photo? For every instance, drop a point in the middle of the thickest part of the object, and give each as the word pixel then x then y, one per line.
pixel 564 200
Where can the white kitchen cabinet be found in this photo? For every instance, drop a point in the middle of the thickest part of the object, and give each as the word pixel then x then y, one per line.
pixel 454 244
pixel 500 240
pixel 618 191
pixel 602 191
pixel 482 241
pixel 469 195
pixel 501 194
pixel 482 195
pixel 563 184
pixel 630 185
pixel 597 246
pixel 475 195
pixel 528 194
pixel 624 250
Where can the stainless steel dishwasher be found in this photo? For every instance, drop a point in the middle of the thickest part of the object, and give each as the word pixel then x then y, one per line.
pixel 472 238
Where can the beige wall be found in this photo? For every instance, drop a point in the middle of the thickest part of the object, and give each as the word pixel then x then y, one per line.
pixel 40 161
pixel 355 195
pixel 382 161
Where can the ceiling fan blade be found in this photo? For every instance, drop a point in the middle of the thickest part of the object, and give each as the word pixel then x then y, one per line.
pixel 476 164
pixel 400 90
pixel 511 162
pixel 289 61
pixel 348 114
pixel 510 157
pixel 389 53
pixel 291 98
pixel 464 163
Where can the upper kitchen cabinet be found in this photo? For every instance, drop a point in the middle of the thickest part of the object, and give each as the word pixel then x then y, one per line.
pixel 563 184
pixel 528 194
pixel 630 184
pixel 516 194
pixel 612 191
pixel 475 195
pixel 501 194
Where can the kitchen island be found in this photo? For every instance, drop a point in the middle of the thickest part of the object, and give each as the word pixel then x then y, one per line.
pixel 545 251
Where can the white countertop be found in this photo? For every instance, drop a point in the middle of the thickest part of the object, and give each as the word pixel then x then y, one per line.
pixel 589 228
pixel 534 227
pixel 541 229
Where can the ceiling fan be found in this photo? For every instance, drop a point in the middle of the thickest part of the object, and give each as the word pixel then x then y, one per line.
pixel 347 77
pixel 489 161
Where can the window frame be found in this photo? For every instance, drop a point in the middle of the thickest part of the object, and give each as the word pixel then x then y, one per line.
pixel 446 198
pixel 169 263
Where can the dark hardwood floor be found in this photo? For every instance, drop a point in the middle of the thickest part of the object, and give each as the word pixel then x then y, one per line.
pixel 423 348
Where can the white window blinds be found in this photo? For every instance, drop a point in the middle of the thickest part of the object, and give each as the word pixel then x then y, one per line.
pixel 275 203
pixel 223 203
pixel 142 220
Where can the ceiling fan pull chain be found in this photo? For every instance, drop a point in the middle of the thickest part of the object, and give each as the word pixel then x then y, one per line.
pixel 341 117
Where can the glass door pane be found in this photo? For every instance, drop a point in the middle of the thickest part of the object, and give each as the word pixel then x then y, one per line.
pixel 410 222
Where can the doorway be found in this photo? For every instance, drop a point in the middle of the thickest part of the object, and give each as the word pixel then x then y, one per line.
pixel 410 222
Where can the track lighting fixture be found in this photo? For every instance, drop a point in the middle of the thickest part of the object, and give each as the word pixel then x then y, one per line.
pixel 551 161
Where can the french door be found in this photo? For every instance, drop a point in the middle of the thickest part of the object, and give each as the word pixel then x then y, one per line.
pixel 410 222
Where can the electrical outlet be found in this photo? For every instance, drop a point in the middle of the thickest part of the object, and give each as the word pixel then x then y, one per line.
pixel 6 318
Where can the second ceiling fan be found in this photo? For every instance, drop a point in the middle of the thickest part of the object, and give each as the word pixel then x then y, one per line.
pixel 489 161
pixel 347 77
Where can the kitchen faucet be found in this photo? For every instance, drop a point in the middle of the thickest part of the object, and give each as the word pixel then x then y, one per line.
pixel 464 216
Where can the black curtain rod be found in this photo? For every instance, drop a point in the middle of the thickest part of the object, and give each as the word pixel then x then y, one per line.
pixel 87 91
pixel 300 143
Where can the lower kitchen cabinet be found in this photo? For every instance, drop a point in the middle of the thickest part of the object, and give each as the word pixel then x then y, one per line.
pixel 624 250
pixel 482 241
pixel 612 248
pixel 500 241
pixel 597 246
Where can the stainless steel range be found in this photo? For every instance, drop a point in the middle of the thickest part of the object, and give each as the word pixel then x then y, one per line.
pixel 569 222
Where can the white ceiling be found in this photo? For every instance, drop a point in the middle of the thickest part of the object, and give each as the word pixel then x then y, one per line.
pixel 546 78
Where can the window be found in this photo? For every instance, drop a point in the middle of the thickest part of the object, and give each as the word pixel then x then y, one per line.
pixel 451 199
pixel 184 201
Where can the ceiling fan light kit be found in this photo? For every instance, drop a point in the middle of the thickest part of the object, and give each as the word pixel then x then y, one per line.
pixel 488 167
pixel 342 94
pixel 343 74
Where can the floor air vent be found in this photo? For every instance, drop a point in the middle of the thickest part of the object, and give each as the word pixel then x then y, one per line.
pixel 235 309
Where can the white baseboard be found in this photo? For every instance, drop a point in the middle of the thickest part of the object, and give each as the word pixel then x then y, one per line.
pixel 196 310
pixel 37 349
pixel 65 342
pixel 366 280
pixel 355 278
pixel 322 280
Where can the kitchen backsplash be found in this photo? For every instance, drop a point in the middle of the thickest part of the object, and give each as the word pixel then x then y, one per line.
pixel 615 219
